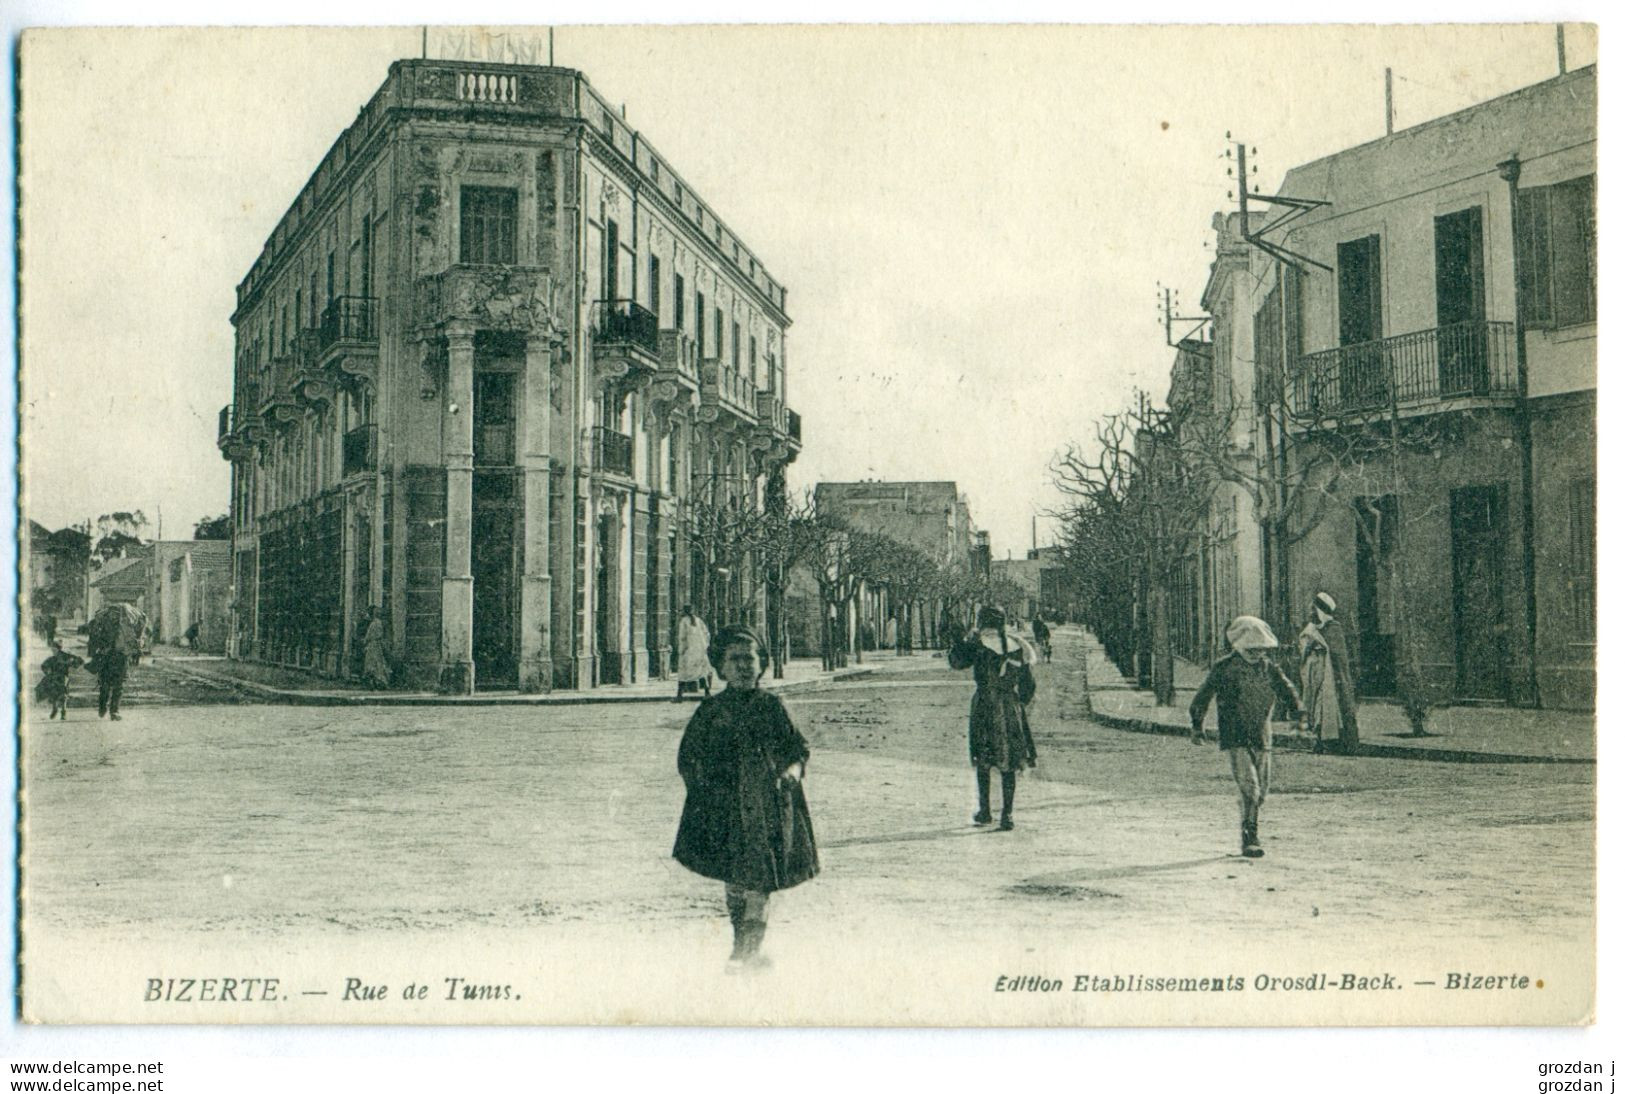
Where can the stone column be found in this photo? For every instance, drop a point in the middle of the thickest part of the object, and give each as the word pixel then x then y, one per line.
pixel 536 583
pixel 457 447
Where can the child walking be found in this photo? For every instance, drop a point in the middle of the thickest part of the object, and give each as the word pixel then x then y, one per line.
pixel 745 821
pixel 1247 685
pixel 53 685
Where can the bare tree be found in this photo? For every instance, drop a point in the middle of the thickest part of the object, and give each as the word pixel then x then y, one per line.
pixel 1140 500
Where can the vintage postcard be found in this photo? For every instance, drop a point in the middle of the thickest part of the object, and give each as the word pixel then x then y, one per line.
pixel 879 526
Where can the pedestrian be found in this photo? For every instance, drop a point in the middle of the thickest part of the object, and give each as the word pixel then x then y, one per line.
pixel 375 668
pixel 192 633
pixel 745 821
pixel 1041 635
pixel 1328 683
pixel 115 643
pixel 53 685
pixel 1247 685
pixel 693 640
pixel 1000 735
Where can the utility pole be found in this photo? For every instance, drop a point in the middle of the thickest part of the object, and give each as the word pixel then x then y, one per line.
pixel 1388 96
pixel 1510 170
pixel 1562 58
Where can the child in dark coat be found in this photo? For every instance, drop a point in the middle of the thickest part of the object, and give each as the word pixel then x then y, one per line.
pixel 1000 735
pixel 53 685
pixel 1247 685
pixel 745 821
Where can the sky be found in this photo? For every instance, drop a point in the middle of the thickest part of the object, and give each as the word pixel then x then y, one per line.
pixel 972 222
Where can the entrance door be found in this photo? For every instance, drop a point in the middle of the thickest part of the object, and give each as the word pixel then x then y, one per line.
pixel 496 609
pixel 607 618
pixel 1458 275
pixel 1477 535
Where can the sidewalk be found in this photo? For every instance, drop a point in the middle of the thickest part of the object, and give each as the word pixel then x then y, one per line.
pixel 274 684
pixel 1461 734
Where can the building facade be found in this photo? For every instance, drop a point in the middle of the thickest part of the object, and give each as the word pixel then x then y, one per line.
pixel 189 582
pixel 1419 385
pixel 490 367
pixel 931 517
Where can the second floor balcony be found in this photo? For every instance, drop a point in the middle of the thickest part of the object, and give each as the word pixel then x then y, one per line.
pixel 625 341
pixel 1408 373
pixel 347 337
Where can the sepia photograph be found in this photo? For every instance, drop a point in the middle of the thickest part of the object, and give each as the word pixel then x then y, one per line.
pixel 808 526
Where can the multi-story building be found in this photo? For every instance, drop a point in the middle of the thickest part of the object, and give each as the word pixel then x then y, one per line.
pixel 931 517
pixel 488 366
pixel 1424 399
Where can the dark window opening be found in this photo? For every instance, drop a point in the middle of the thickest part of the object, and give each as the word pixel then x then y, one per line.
pixel 489 226
pixel 1557 253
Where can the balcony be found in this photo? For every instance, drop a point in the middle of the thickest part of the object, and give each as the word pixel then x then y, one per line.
pixel 347 338
pixel 625 342
pixel 504 298
pixel 277 405
pixel 725 396
pixel 231 442
pixel 677 380
pixel 611 451
pixel 361 450
pixel 1464 361
pixel 312 385
pixel 771 413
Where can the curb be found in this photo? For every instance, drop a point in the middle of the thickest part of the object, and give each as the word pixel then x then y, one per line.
pixel 1297 742
pixel 291 697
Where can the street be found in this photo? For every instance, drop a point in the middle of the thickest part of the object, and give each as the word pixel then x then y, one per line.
pixel 204 826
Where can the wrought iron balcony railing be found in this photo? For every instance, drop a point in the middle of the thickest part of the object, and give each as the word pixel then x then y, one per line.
pixel 348 319
pixel 361 450
pixel 626 322
pixel 1463 360
pixel 611 451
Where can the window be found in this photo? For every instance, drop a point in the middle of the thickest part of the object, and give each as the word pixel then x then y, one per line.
pixel 489 216
pixel 699 322
pixel 1359 291
pixel 1557 253
pixel 1583 557
pixel 677 299
pixel 1458 266
pixel 654 287
pixel 736 347
pixel 611 264
pixel 753 358
pixel 493 419
pixel 717 330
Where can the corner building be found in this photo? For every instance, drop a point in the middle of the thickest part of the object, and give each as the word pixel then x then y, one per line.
pixel 487 364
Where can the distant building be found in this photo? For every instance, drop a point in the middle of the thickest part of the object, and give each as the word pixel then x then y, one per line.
pixel 56 564
pixel 1041 576
pixel 931 517
pixel 189 581
pixel 121 581
pixel 489 366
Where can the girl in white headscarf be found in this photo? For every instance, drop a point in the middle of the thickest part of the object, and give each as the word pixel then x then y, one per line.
pixel 1247 685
